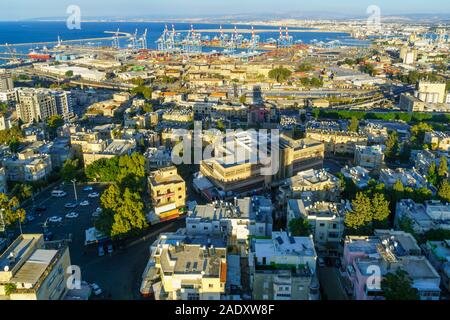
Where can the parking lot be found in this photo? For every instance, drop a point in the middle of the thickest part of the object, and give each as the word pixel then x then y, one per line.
pixel 119 274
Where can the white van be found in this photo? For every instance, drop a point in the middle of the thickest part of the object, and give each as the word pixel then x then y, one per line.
pixel 58 193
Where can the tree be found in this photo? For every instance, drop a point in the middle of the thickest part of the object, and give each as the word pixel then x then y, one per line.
pixel 398 191
pixel 444 191
pixel 392 145
pixel 10 210
pixel 442 170
pixel 353 125
pixel 299 227
pixel 131 171
pixel 432 176
pixel 280 74
pixel 304 67
pixel 398 286
pixel 69 169
pixel 243 99
pixel 22 191
pixel 55 122
pixel 103 170
pixel 129 217
pixel 69 73
pixel 361 213
pixel 418 133
pixel 148 107
pixel 220 125
pixel 8 136
pixel 380 210
pixel 406 224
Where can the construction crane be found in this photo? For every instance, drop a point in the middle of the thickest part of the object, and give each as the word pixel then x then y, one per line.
pixel 116 40
pixel 254 41
pixel 143 40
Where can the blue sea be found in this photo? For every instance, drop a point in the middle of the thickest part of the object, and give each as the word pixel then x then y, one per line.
pixel 30 32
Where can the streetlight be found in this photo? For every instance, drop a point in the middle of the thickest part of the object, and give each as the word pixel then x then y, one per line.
pixel 20 223
pixel 75 189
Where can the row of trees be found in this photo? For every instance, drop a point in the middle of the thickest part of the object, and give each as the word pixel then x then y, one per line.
pixel 123 209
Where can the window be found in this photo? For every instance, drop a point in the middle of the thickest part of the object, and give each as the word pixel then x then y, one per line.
pixel 211 285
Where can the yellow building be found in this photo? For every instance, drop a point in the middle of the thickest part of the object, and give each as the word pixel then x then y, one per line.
pixel 190 272
pixel 168 192
pixel 34 270
pixel 244 175
pixel 337 142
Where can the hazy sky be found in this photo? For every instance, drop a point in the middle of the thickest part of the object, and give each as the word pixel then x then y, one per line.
pixel 25 9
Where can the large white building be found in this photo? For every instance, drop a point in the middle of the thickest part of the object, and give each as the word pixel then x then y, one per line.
pixel 423 217
pixel 234 221
pixel 283 268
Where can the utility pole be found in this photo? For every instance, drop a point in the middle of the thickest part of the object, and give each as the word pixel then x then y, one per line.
pixel 20 224
pixel 75 190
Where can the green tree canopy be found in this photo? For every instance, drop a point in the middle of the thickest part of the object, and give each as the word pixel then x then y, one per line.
pixel 353 125
pixel 300 227
pixel 392 146
pixel 69 169
pixel 69 73
pixel 444 191
pixel 432 176
pixel 280 74
pixel 10 210
pixel 398 286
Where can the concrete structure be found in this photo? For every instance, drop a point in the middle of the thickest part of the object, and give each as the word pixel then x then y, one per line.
pixel 235 222
pixel 359 175
pixel 167 192
pixel 190 272
pixel 28 166
pixel 241 166
pixel 325 218
pixel 337 142
pixel 283 268
pixel 6 82
pixel 376 133
pixel 431 92
pixel 371 157
pixel 117 148
pixel 388 251
pixel 438 253
pixel 41 104
pixel 3 181
pixel 409 177
pixel 34 270
pixel 423 217
pixel 318 185
pixel 439 140
pixel 156 158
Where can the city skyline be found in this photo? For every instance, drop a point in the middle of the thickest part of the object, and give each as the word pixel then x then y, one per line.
pixel 25 9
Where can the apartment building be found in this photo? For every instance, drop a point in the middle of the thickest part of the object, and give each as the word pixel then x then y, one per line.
pixel 6 82
pixel 326 220
pixel 431 92
pixel 41 104
pixel 388 251
pixel 156 158
pixel 439 140
pixel 359 175
pixel 337 142
pixel 117 148
pixel 283 268
pixel 409 177
pixel 3 181
pixel 438 253
pixel 27 166
pixel 370 157
pixel 376 133
pixel 190 272
pixel 31 269
pixel 318 185
pixel 423 217
pixel 167 192
pixel 234 221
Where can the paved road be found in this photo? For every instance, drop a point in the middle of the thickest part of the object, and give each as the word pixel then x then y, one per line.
pixel 330 283
pixel 119 275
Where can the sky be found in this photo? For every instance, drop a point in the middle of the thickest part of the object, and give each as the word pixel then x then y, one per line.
pixel 29 9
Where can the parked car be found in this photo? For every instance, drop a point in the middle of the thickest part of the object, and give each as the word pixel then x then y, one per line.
pixel 48 236
pixel 58 193
pixel 93 195
pixel 110 249
pixel 321 262
pixel 55 219
pixel 84 203
pixel 88 188
pixel 40 208
pixel 101 251
pixel 70 205
pixel 96 289
pixel 72 215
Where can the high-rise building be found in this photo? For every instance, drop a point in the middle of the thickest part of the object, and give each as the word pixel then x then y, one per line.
pixel 6 82
pixel 41 104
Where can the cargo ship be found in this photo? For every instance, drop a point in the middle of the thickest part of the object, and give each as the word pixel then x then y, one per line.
pixel 39 56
